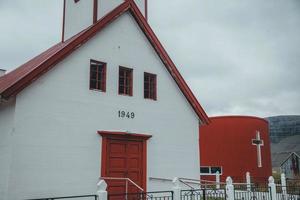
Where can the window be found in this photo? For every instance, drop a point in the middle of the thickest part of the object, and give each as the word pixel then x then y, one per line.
pixel 98 76
pixel 149 86
pixel 204 170
pixel 208 170
pixel 214 170
pixel 125 81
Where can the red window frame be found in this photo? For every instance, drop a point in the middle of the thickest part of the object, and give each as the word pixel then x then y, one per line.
pixel 98 76
pixel 150 86
pixel 125 81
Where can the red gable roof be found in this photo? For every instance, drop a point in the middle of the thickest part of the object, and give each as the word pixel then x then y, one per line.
pixel 12 83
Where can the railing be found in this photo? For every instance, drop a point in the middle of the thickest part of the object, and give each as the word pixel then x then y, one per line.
pixel 287 193
pixel 82 197
pixel 293 182
pixel 160 179
pixel 185 181
pixel 190 183
pixel 126 184
pixel 126 179
pixel 204 184
pixel 203 194
pixel 161 195
pixel 252 193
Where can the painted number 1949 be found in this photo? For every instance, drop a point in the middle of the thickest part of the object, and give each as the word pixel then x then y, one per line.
pixel 124 114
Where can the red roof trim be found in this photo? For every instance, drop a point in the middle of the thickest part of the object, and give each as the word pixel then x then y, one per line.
pixel 15 81
pixel 126 134
pixel 238 117
pixel 168 62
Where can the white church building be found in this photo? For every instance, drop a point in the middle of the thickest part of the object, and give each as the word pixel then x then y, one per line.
pixel 107 101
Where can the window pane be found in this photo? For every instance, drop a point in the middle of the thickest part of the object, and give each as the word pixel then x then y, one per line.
pixel 204 170
pixel 100 77
pixel 93 84
pixel 127 91
pixel 150 86
pixel 121 89
pixel 100 86
pixel 152 94
pixel 121 80
pixel 97 75
pixel 146 94
pixel 215 169
pixel 121 73
pixel 93 75
pixel 93 67
pixel 100 67
pixel 125 80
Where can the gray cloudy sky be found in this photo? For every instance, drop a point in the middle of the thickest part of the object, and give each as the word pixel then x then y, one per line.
pixel 240 57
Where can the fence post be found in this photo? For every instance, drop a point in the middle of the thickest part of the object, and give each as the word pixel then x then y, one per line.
pixel 283 186
pixel 101 190
pixel 218 180
pixel 176 189
pixel 229 188
pixel 248 181
pixel 272 187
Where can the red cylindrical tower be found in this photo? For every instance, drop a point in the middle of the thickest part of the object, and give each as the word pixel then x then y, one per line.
pixel 236 144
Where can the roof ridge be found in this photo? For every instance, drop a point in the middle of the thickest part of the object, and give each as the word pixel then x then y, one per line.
pixel 15 81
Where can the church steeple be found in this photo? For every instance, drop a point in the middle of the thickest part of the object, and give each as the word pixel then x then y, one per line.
pixel 80 14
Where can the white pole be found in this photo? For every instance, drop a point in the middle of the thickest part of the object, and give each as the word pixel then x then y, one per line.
pixel 272 186
pixel 218 180
pixel 101 190
pixel 248 181
pixel 283 186
pixel 176 188
pixel 229 188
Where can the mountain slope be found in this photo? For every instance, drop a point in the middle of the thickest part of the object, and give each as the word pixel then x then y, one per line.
pixel 285 137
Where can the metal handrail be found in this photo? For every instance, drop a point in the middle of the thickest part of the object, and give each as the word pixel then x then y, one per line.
pixel 120 178
pixel 201 180
pixel 126 186
pixel 188 181
pixel 170 180
pixel 160 179
pixel 186 184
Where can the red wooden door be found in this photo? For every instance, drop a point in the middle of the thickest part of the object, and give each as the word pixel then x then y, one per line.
pixel 135 164
pixel 124 160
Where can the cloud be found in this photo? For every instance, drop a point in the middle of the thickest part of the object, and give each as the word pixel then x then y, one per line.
pixel 238 57
pixel 28 28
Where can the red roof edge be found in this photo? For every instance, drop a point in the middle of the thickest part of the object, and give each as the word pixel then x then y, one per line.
pixel 238 117
pixel 168 63
pixel 12 83
pixel 15 81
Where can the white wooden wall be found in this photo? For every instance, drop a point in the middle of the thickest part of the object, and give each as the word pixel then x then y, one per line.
pixel 7 112
pixel 57 149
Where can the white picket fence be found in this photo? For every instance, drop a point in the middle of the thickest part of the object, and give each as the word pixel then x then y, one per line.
pixel 273 191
